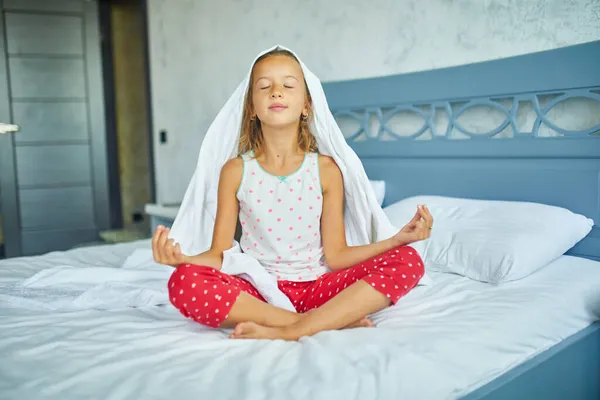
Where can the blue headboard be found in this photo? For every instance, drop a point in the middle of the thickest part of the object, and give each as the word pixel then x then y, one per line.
pixel 412 131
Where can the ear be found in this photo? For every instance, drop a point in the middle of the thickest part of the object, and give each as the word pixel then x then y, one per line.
pixel 307 104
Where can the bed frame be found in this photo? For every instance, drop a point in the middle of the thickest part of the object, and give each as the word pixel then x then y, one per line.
pixel 512 160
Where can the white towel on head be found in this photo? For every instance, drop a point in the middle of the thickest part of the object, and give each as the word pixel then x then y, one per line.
pixel 365 221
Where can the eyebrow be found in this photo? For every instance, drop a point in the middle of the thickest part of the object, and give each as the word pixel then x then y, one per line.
pixel 287 76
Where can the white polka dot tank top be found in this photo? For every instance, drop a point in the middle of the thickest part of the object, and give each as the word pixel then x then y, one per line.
pixel 281 219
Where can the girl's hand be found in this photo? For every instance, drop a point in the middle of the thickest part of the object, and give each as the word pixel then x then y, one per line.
pixel 163 250
pixel 419 228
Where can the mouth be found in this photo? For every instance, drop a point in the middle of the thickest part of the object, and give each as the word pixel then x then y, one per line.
pixel 277 107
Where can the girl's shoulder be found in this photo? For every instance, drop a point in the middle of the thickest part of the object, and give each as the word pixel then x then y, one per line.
pixel 233 168
pixel 231 175
pixel 329 171
pixel 326 161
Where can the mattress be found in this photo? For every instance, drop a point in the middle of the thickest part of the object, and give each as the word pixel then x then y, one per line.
pixel 439 342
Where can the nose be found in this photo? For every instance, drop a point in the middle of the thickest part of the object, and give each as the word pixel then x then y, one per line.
pixel 276 92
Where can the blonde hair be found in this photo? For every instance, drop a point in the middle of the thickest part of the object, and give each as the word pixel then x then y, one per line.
pixel 251 137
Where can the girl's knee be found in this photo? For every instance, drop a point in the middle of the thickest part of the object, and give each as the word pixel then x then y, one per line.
pixel 404 265
pixel 190 285
pixel 395 272
pixel 407 255
pixel 201 294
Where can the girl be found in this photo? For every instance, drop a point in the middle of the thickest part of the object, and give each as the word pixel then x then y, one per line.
pixel 290 203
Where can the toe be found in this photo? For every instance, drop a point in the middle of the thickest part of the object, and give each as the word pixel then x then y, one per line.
pixel 244 330
pixel 238 330
pixel 367 323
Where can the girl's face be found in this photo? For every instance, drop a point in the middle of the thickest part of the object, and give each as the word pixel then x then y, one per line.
pixel 278 91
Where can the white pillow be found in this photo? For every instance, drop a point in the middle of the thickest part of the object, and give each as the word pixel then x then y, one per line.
pixel 492 241
pixel 379 188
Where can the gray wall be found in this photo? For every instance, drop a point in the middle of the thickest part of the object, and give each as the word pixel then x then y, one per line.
pixel 201 49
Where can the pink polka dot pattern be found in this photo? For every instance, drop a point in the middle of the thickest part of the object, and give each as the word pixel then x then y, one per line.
pixel 207 295
pixel 393 273
pixel 274 212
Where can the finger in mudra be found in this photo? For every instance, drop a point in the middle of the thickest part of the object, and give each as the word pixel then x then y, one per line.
pixel 164 250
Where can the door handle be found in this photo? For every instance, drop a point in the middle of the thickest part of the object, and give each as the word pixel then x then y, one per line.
pixel 8 128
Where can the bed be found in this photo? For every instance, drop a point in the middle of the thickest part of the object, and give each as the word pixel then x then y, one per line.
pixel 538 337
pixel 523 154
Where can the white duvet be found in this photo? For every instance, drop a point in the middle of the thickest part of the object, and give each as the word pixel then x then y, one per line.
pixel 440 341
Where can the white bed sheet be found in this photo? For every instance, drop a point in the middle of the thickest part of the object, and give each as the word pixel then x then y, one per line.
pixel 439 342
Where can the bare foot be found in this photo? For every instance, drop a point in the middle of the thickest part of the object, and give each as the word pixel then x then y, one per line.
pixel 363 323
pixel 252 330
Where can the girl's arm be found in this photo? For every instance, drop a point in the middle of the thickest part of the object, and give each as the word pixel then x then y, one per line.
pixel 338 254
pixel 224 230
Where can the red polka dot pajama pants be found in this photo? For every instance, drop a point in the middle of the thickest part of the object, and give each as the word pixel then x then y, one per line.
pixel 206 295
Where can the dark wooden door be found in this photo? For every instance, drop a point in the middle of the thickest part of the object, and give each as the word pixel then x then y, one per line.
pixel 53 172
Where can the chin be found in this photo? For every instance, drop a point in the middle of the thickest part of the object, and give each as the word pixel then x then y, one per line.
pixel 280 122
